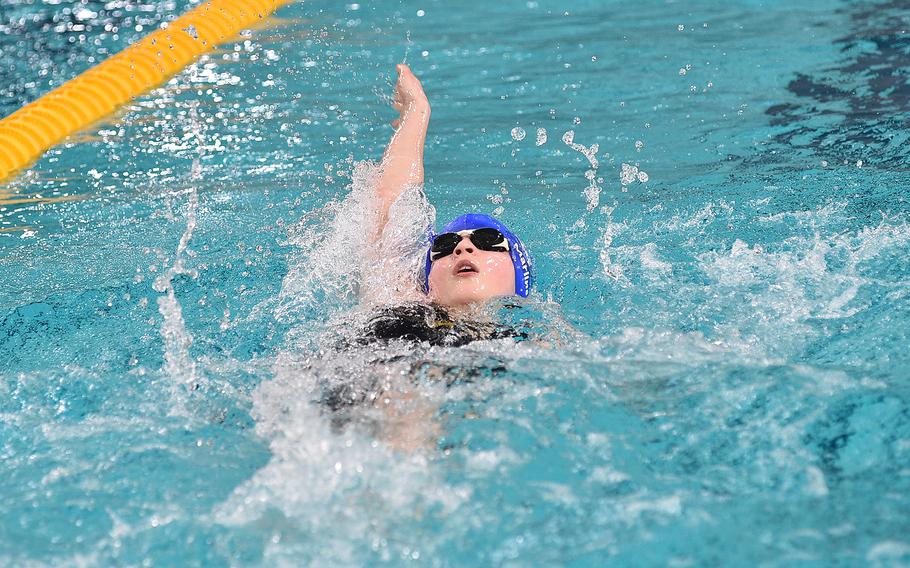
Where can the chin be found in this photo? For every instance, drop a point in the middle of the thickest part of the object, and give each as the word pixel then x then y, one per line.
pixel 460 301
pixel 462 298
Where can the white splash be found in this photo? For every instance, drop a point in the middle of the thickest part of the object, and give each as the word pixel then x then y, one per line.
pixel 338 260
pixel 592 191
pixel 629 174
pixel 651 262
pixel 178 363
pixel 590 153
pixel 339 487
pixel 611 270
pixel 788 289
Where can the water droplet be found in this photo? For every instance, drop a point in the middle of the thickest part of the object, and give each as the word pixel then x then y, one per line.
pixel 681 28
pixel 593 58
pixel 541 136
pixel 518 133
pixel 421 13
pixel 682 70
pixel 859 163
pixel 639 145
pixel 628 174
pixel 642 176
pixel 246 33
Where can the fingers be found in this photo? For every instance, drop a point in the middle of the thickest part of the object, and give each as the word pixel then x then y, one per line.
pixel 406 77
pixel 408 90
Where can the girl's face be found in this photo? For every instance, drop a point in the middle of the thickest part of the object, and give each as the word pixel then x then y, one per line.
pixel 470 275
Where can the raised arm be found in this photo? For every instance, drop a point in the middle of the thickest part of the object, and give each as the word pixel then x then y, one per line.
pixel 402 163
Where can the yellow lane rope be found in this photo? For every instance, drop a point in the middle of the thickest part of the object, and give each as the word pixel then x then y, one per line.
pixel 27 133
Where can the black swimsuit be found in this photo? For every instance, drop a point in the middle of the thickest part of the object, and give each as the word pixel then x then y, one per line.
pixel 420 324
pixel 432 324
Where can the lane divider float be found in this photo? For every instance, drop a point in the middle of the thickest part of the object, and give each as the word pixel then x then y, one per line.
pixel 30 131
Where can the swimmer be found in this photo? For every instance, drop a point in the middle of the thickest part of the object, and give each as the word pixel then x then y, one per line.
pixel 472 260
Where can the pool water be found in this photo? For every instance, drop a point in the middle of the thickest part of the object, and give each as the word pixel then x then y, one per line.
pixel 714 195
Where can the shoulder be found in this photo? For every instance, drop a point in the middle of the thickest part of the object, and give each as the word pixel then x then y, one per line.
pixel 413 320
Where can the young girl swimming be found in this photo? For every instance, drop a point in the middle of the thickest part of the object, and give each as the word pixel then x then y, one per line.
pixel 474 259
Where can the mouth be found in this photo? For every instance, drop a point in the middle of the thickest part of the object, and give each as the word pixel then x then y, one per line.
pixel 464 268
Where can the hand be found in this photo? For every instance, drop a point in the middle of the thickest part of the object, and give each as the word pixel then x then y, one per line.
pixel 409 95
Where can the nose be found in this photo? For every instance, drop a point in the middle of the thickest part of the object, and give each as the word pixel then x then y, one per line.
pixel 464 246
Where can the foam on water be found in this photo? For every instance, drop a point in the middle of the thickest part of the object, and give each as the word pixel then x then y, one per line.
pixel 296 495
pixel 339 273
pixel 806 279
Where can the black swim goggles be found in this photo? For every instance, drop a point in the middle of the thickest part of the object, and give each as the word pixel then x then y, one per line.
pixel 486 238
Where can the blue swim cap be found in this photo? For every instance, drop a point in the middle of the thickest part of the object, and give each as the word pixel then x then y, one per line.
pixel 521 260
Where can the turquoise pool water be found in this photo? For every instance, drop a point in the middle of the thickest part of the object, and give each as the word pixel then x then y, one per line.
pixel 725 298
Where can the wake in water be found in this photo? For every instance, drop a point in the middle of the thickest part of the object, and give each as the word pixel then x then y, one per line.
pixel 344 416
